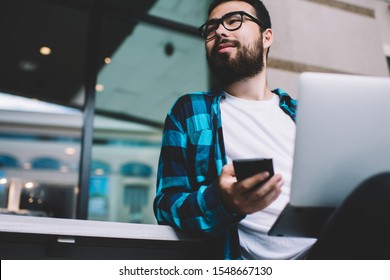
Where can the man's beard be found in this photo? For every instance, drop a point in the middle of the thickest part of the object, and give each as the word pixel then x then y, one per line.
pixel 248 62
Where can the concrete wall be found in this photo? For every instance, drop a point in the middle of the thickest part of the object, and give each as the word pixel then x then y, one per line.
pixel 348 36
pixel 382 14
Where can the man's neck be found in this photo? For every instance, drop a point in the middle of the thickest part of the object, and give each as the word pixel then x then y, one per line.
pixel 254 88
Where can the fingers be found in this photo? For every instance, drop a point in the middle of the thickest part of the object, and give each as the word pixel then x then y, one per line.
pixel 251 182
pixel 244 197
pixel 244 185
pixel 263 197
pixel 274 183
pixel 257 199
pixel 264 202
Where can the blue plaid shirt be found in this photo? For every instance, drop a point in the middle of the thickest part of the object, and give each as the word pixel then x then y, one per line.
pixel 191 159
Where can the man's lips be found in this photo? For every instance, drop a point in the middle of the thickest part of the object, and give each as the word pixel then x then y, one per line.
pixel 222 47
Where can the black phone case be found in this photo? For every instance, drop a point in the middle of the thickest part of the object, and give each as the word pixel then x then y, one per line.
pixel 245 168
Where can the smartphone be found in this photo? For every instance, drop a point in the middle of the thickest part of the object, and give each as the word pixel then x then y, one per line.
pixel 245 168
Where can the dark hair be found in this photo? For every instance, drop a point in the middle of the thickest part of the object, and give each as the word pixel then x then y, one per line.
pixel 261 11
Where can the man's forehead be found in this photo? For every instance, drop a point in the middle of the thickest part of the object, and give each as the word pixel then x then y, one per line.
pixel 231 6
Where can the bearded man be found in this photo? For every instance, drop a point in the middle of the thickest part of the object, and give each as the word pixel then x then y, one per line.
pixel 197 188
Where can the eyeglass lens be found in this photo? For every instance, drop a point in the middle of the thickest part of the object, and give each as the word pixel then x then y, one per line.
pixel 230 22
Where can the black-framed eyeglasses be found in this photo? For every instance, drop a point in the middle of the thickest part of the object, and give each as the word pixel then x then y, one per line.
pixel 231 21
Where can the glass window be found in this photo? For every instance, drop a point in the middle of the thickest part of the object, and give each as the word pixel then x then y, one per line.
pixel 42 51
pixel 8 161
pixel 149 55
pixel 192 13
pixel 146 70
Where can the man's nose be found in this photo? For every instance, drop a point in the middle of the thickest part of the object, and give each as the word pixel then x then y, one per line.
pixel 221 31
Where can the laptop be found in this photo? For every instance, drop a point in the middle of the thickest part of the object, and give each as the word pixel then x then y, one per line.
pixel 342 138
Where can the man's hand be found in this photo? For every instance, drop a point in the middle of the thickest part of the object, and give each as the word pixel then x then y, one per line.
pixel 242 197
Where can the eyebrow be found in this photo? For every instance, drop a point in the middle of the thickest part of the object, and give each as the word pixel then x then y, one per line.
pixel 214 19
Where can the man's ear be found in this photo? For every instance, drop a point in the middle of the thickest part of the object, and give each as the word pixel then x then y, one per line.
pixel 268 38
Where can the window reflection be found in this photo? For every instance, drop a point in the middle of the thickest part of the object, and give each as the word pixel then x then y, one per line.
pixel 146 73
pixel 42 55
pixel 8 161
pixel 125 160
pixel 39 158
pixel 143 68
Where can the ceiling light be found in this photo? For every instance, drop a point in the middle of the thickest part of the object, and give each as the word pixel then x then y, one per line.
pixel 29 185
pixel 99 87
pixel 107 60
pixel 99 172
pixel 45 51
pixel 70 151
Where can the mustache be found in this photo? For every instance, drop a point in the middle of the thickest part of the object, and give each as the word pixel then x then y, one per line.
pixel 224 41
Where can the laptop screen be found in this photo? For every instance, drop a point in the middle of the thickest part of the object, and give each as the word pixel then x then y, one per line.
pixel 342 137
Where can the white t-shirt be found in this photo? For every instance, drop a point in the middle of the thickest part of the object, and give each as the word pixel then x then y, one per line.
pixel 261 129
